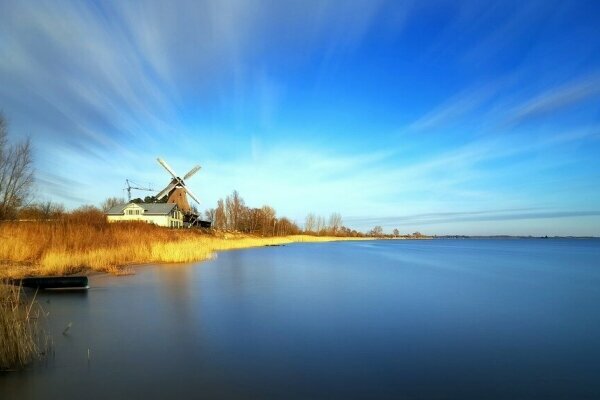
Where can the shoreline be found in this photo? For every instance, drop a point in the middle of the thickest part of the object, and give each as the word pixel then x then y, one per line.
pixel 120 260
pixel 58 249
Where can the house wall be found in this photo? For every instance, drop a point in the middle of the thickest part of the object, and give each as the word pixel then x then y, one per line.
pixel 160 220
pixel 173 220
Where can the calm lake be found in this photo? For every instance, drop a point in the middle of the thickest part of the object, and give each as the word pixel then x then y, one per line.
pixel 435 319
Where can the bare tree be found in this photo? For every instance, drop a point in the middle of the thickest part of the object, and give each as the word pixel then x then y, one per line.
pixel 396 232
pixel 320 224
pixel 210 216
pixel 234 206
pixel 268 221
pixel 254 220
pixel 234 214
pixel 377 231
pixel 220 221
pixel 111 202
pixel 16 173
pixel 286 227
pixel 335 222
pixel 310 223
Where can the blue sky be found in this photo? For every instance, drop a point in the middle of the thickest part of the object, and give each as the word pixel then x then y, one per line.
pixel 440 116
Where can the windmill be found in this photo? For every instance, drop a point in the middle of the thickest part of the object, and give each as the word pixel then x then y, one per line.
pixel 177 191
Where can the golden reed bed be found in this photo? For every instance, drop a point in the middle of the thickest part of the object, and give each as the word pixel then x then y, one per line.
pixel 21 338
pixel 70 246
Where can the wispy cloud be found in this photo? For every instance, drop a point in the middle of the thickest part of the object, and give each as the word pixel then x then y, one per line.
pixel 300 178
pixel 261 94
pixel 476 216
pixel 556 99
pixel 50 185
pixel 454 108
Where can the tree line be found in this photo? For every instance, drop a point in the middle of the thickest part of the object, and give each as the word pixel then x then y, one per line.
pixel 232 214
pixel 318 225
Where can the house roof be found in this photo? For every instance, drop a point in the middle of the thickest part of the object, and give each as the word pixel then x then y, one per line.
pixel 149 208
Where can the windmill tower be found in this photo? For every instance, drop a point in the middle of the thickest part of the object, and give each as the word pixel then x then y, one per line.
pixel 177 191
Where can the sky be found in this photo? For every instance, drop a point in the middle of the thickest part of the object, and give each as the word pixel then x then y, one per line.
pixel 444 117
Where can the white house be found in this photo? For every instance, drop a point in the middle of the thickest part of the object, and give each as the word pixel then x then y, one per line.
pixel 161 214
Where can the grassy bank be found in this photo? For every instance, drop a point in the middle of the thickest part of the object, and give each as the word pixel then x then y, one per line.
pixel 45 248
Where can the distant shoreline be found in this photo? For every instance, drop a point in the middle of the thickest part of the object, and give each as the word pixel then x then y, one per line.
pixel 67 248
pixel 512 237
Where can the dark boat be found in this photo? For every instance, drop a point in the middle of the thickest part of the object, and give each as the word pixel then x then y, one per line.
pixel 55 282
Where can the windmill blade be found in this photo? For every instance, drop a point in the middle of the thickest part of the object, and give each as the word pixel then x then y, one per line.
pixel 191 194
pixel 165 191
pixel 166 166
pixel 192 172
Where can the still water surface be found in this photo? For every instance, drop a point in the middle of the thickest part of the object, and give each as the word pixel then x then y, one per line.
pixel 386 319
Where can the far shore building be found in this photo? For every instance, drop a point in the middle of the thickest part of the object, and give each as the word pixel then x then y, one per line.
pixel 161 214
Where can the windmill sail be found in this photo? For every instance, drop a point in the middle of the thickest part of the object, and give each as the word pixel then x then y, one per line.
pixel 166 166
pixel 189 192
pixel 192 172
pixel 165 191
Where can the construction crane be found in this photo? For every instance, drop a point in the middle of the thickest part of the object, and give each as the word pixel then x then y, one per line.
pixel 135 186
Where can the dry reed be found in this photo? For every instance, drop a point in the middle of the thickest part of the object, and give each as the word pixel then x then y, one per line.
pixel 63 247
pixel 19 331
